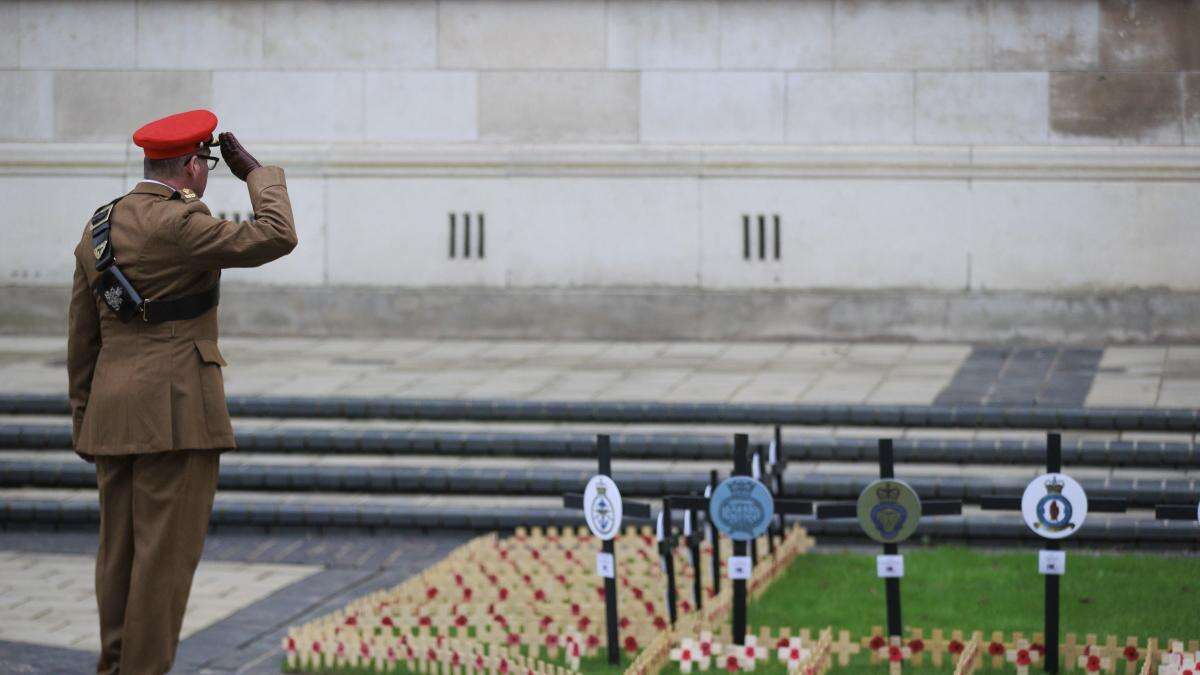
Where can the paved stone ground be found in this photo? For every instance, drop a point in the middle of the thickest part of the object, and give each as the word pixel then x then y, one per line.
pixel 674 371
pixel 249 589
pixel 49 598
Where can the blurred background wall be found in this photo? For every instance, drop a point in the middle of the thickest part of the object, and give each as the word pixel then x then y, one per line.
pixel 926 169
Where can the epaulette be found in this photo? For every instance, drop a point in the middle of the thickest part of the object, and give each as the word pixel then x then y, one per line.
pixel 187 195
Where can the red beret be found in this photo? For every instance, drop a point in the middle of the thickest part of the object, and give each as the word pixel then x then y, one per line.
pixel 176 135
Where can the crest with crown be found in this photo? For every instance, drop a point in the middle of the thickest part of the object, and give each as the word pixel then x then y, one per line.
pixel 888 492
pixel 741 489
pixel 1054 486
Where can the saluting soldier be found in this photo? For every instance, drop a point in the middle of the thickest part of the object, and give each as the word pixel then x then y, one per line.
pixel 147 396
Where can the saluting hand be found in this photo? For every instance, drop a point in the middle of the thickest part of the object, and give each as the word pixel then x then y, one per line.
pixel 240 162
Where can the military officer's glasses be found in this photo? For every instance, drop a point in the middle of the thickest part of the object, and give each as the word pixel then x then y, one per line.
pixel 211 161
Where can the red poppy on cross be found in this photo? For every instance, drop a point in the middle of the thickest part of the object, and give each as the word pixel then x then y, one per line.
pixel 1022 655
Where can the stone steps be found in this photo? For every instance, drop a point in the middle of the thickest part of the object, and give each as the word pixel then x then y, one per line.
pixel 340 439
pixel 414 478
pixel 70 509
pixel 1184 420
pixel 386 463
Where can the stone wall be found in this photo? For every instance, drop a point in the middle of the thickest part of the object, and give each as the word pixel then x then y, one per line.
pixel 890 150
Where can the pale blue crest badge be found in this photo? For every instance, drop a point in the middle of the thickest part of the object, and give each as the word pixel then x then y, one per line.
pixel 741 508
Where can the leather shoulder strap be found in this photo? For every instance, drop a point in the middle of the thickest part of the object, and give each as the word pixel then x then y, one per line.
pixel 101 225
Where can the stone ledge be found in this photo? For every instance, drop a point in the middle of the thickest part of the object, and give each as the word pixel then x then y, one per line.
pixel 1135 316
pixel 1173 163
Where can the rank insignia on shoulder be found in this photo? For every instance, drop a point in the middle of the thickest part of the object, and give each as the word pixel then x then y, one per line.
pixel 187 194
pixel 99 250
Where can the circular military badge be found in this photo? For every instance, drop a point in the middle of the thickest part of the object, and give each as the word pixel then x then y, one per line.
pixel 741 508
pixel 1054 505
pixel 889 510
pixel 602 507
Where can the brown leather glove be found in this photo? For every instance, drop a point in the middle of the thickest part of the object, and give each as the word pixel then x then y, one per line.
pixel 240 162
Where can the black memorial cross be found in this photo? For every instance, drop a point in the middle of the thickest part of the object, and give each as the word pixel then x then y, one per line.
pixel 1053 465
pixel 697 528
pixel 666 551
pixel 631 509
pixel 768 465
pixel 932 507
pixel 694 523
pixel 693 537
pixel 776 468
pixel 741 467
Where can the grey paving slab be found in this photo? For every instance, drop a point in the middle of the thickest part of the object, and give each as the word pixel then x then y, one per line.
pixel 825 372
pixel 247 641
pixel 25 658
pixel 1048 376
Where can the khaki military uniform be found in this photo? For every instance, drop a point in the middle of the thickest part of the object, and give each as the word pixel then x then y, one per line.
pixel 148 404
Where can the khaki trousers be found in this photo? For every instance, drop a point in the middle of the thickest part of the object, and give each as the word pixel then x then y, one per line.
pixel 154 512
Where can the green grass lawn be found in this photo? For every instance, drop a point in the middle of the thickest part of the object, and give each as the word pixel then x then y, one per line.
pixel 957 587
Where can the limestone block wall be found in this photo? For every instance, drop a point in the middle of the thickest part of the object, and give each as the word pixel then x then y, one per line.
pixel 894 147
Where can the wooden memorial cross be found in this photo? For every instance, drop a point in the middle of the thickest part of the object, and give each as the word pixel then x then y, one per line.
pixel 937 645
pixel 883 510
pixel 917 644
pixel 606 563
pixel 1022 655
pixel 1055 514
pixel 740 565
pixel 844 647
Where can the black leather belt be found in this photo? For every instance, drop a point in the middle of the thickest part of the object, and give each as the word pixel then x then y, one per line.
pixel 183 308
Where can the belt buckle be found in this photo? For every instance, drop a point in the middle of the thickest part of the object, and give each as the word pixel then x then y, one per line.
pixel 145 307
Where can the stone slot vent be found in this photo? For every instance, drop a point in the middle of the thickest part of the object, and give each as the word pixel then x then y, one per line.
pixel 761 238
pixel 460 231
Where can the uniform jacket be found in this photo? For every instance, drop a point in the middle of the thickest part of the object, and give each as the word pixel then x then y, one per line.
pixel 138 387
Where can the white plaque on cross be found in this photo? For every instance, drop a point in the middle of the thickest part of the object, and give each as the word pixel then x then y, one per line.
pixel 740 567
pixel 1052 562
pixel 889 566
pixel 605 565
